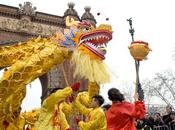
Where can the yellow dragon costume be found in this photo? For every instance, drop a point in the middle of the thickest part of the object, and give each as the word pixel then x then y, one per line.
pixel 84 45
pixel 51 114
pixel 95 116
pixel 30 118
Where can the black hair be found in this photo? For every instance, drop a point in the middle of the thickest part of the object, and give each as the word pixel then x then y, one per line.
pixel 157 113
pixel 172 113
pixel 99 98
pixel 53 90
pixel 115 95
pixel 107 106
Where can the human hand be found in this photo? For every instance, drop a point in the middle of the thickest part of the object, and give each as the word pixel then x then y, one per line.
pixel 69 129
pixel 5 123
pixel 70 99
pixel 136 96
pixel 140 92
pixel 77 119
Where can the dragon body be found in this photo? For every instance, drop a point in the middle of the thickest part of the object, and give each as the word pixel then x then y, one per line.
pixel 83 44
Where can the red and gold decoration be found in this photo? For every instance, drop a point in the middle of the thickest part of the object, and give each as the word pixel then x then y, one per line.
pixel 83 44
pixel 139 50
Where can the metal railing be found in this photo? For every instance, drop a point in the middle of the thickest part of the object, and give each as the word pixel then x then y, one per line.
pixel 172 127
pixel 163 127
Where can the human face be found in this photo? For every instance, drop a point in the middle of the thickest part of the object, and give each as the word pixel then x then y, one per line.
pixel 157 117
pixel 172 116
pixel 94 103
pixel 168 109
pixel 146 116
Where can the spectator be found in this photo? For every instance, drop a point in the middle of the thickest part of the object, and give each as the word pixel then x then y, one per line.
pixel 148 122
pixel 158 120
pixel 166 118
pixel 172 123
pixel 139 124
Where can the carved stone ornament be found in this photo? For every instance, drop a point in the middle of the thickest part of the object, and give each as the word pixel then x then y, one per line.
pixel 26 26
pixel 27 9
pixel 54 77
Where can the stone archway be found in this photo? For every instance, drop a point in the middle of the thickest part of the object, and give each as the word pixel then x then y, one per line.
pixel 23 23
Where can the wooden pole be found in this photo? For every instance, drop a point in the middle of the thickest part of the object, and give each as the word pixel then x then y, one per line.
pixel 138 88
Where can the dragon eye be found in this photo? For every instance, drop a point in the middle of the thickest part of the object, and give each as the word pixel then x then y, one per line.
pixel 86 29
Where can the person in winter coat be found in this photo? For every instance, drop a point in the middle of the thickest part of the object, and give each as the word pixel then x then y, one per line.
pixel 121 115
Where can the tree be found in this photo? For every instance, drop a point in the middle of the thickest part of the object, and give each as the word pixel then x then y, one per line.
pixel 161 85
pixel 128 91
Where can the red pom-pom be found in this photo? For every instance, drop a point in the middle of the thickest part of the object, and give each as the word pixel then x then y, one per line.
pixel 76 86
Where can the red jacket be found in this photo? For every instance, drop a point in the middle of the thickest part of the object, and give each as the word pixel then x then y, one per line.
pixel 121 115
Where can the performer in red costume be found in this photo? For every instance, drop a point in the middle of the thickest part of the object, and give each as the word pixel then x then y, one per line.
pixel 121 115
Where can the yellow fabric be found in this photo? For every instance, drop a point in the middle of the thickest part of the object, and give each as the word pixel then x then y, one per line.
pixel 29 60
pixel 85 98
pixel 93 89
pixel 97 121
pixel 81 99
pixel 44 55
pixel 31 117
pixel 11 127
pixel 66 108
pixel 92 69
pixel 18 124
pixel 49 107
pixel 96 117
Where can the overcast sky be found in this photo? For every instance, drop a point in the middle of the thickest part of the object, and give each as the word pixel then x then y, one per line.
pixel 153 21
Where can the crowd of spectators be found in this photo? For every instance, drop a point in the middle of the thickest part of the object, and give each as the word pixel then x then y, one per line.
pixel 156 121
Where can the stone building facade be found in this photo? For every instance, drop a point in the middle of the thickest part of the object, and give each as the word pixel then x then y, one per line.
pixel 24 22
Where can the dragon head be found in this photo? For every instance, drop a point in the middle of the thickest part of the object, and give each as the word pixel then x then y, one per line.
pixel 89 39
pixel 89 48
